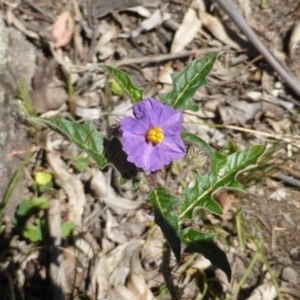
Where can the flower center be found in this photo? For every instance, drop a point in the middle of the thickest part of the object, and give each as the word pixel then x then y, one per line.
pixel 155 135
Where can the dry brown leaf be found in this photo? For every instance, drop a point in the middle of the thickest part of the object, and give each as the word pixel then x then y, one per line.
pixel 141 10
pixel 226 200
pixel 70 183
pixel 217 29
pixel 12 19
pixel 157 18
pixel 75 267
pixel 113 229
pixel 186 31
pixel 136 281
pixel 66 63
pixel 240 112
pixel 63 29
pixel 88 113
pixel 265 291
pixel 100 283
pixel 102 189
pixel 78 43
pixel 122 262
pixel 104 47
pixel 108 35
pixel 294 39
pixel 57 267
pixel 245 6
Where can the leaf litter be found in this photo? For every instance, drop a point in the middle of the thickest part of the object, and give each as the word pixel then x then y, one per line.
pixel 119 252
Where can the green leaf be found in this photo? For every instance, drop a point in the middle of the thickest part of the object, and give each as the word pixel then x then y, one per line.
pixel 187 82
pixel 28 205
pixel 84 136
pixel 203 243
pixel 42 178
pixel 116 89
pixel 166 218
pixel 125 83
pixel 67 229
pixel 34 233
pixel 222 175
pixel 81 163
pixel 195 140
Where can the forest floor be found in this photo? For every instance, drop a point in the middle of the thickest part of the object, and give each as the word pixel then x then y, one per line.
pixel 55 49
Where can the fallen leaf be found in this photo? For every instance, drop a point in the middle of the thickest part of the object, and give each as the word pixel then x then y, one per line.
pixel 217 29
pixel 264 291
pixel 294 39
pixel 113 229
pixel 246 8
pixel 100 285
pixel 186 31
pixel 155 20
pixel 63 29
pixel 100 187
pixel 70 183
pixel 136 281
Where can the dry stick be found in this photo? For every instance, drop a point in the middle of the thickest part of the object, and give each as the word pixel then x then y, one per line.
pixel 47 14
pixel 287 179
pixel 234 14
pixel 170 56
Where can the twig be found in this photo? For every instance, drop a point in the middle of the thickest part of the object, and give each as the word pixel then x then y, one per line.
pixel 98 211
pixel 174 290
pixel 35 15
pixel 287 179
pixel 169 56
pixel 48 15
pixel 234 14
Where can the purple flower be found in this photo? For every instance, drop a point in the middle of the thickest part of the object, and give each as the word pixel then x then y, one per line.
pixel 152 139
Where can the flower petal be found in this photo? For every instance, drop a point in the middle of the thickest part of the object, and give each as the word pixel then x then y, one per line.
pixel 151 113
pixel 134 126
pixel 137 149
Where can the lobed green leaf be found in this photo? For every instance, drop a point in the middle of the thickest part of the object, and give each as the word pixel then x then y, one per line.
pixel 203 243
pixel 187 82
pixel 28 205
pixel 84 136
pixel 195 140
pixel 34 233
pixel 166 218
pixel 222 175
pixel 125 83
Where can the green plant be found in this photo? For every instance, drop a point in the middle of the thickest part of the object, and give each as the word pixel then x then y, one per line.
pixel 170 208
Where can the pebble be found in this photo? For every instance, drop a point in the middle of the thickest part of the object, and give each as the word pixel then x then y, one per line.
pixel 289 274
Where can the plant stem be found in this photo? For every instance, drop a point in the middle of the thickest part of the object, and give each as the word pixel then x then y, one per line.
pixel 174 291
pixel 183 174
pixel 245 276
pixel 239 228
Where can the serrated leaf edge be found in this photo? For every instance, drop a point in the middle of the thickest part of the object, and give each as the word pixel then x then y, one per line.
pixel 211 189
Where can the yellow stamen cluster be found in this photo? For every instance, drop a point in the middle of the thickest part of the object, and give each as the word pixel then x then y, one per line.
pixel 155 135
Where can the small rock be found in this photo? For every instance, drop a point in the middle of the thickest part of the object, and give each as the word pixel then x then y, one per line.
pixel 289 274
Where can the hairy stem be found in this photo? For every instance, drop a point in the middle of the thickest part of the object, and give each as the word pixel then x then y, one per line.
pixel 182 175
pixel 174 290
